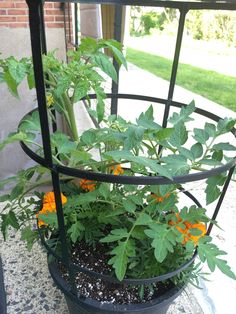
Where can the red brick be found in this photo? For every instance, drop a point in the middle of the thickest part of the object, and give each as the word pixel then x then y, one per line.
pixel 49 18
pixel 3 12
pixel 21 5
pixel 59 18
pixel 48 5
pixel 55 25
pixel 18 25
pixel 16 12
pixel 7 4
pixel 7 18
pixel 57 5
pixel 4 24
pixel 54 12
pixel 22 18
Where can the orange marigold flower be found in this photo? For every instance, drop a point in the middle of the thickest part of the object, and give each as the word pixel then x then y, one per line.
pixel 87 185
pixel 49 198
pixel 117 169
pixel 49 206
pixel 202 228
pixel 160 199
pixel 186 230
pixel 43 211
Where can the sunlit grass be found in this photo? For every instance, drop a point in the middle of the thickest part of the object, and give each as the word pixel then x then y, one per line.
pixel 217 87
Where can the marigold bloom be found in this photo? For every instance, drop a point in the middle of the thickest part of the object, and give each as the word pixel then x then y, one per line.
pixel 117 169
pixel 87 185
pixel 49 198
pixel 202 228
pixel 186 230
pixel 160 199
pixel 49 206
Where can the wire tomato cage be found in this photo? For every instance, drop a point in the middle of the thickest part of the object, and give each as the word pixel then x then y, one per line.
pixel 38 43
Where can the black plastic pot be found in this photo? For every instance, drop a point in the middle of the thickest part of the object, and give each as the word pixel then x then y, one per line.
pixel 82 305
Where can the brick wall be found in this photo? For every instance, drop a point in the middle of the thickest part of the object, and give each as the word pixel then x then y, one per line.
pixel 14 14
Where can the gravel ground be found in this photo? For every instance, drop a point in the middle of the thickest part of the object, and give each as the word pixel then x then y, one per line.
pixel 30 289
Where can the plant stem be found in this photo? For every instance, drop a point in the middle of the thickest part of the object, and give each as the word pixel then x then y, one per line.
pixel 71 116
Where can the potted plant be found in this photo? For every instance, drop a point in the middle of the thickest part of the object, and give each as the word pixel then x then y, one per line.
pixel 130 240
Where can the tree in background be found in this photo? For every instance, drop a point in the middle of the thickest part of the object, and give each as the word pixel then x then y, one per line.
pixel 200 24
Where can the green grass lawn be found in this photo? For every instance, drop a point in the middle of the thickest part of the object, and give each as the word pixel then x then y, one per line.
pixel 212 85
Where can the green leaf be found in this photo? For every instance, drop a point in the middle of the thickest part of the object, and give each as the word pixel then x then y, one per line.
pixel 143 219
pixel 49 219
pixel 81 90
pixel 164 240
pixel 180 135
pixel 88 137
pixel 13 137
pixel 109 216
pixel 79 156
pixel 225 268
pixel 194 214
pixel 137 198
pixel 209 252
pixel 63 84
pixel 210 162
pixel 133 137
pixel 167 188
pixel 88 45
pixel 119 155
pixel 100 107
pixel 8 219
pixel 212 190
pixel 210 129
pixel 225 125
pixel 120 261
pixel 85 198
pixel 164 134
pixel 200 135
pixel 129 205
pixel 17 191
pixel 11 84
pixel 224 146
pixel 75 230
pixel 30 236
pixel 197 150
pixel 184 114
pixel 218 155
pixel 31 123
pixel 30 79
pixel 4 198
pixel 177 164
pixel 118 55
pixel 103 62
pixel 115 235
pixel 186 153
pixel 104 190
pixel 62 143
pixel 195 231
pixel 167 204
pixel 146 120
pixel 17 69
